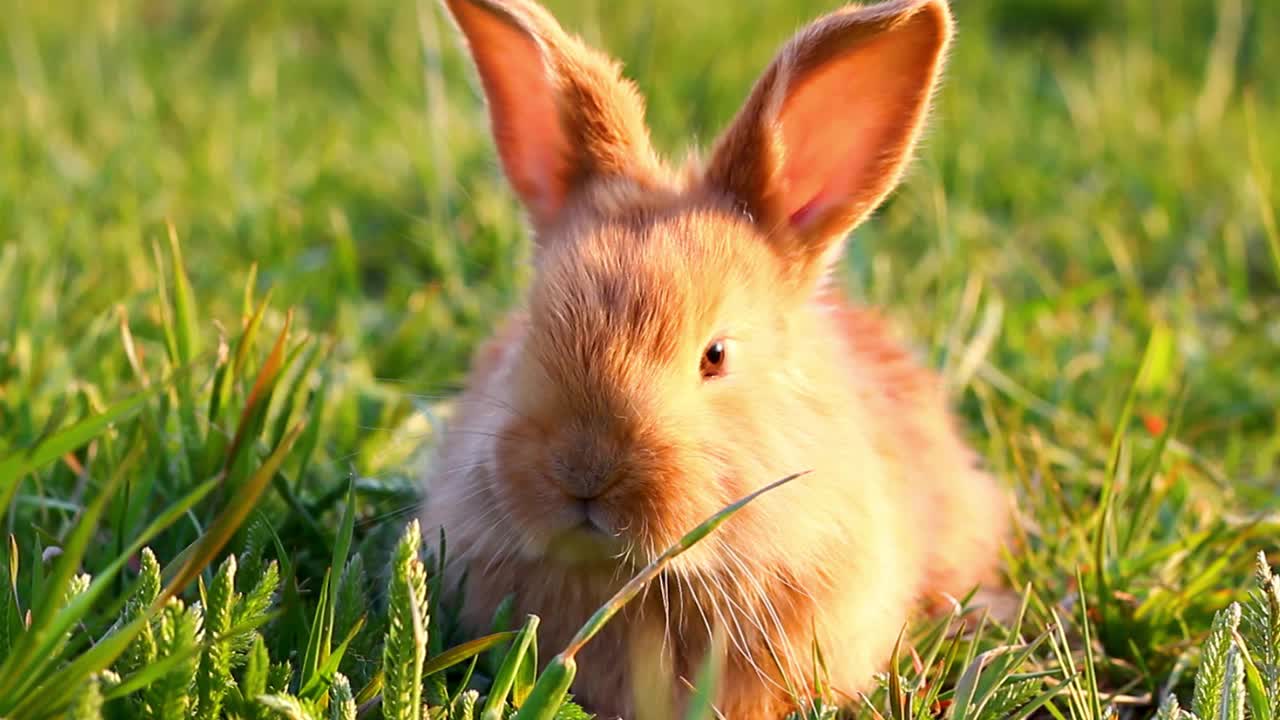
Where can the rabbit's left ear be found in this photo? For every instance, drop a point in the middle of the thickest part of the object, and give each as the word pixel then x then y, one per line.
pixel 829 127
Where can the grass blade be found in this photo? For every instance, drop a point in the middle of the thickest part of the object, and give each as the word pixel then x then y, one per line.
pixel 158 669
pixel 465 651
pixel 1255 686
pixel 255 406
pixel 311 659
pixel 506 677
pixel 55 446
pixel 323 676
pixel 96 659
pixel 84 602
pixel 645 576
pixel 550 692
pixel 229 520
pixel 39 635
pixel 702 704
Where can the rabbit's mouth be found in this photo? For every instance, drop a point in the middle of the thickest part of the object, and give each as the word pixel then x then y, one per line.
pixel 586 536
pixel 585 544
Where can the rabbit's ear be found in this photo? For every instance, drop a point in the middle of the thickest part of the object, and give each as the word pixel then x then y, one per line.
pixel 828 128
pixel 560 113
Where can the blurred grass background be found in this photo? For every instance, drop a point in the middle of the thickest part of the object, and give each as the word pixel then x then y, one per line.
pixel 1096 195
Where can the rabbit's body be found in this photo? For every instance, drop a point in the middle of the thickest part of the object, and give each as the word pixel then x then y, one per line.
pixel 930 530
pixel 680 349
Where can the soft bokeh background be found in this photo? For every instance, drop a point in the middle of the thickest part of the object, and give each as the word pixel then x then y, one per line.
pixel 1089 166
pixel 1098 189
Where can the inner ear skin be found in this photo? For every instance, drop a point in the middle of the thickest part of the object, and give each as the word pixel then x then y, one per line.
pixel 830 126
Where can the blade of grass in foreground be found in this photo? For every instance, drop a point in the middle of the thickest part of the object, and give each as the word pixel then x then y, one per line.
pixel 312 657
pixel 322 678
pixel 506 677
pixel 183 339
pixel 14 467
pixel 702 705
pixel 96 659
pixel 550 691
pixel 77 541
pixel 637 583
pixel 229 520
pixel 46 606
pixel 1255 686
pixel 974 691
pixel 465 651
pixel 441 662
pixel 898 701
pixel 340 550
pixel 158 669
pixel 255 407
pixel 85 602
pixel 526 675
pixel 202 553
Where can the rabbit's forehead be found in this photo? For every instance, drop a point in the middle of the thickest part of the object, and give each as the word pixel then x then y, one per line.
pixel 650 289
pixel 701 245
pixel 676 264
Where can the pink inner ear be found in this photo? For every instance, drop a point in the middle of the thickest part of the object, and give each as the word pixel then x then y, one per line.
pixel 530 138
pixel 521 92
pixel 848 123
pixel 805 214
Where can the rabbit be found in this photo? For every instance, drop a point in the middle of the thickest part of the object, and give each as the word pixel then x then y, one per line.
pixel 681 345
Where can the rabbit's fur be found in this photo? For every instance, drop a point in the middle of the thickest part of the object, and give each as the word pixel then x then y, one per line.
pixel 600 423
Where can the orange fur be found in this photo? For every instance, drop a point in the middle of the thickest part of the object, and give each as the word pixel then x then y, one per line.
pixel 588 439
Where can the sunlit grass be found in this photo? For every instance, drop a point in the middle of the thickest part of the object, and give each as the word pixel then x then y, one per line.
pixel 247 248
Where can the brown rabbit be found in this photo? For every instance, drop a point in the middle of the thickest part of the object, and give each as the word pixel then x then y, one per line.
pixel 681 347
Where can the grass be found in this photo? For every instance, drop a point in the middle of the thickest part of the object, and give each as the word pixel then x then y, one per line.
pixel 246 249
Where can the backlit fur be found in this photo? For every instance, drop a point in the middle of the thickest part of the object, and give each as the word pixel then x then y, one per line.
pixel 594 388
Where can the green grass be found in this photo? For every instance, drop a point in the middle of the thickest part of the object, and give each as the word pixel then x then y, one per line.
pixel 1086 248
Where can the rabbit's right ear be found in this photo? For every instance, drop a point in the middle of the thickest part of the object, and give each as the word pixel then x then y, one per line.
pixel 560 112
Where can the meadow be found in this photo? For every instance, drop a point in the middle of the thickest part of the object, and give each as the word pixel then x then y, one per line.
pixel 246 250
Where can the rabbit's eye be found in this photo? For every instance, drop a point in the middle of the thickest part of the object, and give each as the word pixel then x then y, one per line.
pixel 713 360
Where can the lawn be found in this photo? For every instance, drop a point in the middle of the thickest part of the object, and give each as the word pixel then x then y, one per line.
pixel 246 249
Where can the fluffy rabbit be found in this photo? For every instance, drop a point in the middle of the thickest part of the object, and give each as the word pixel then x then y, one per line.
pixel 680 346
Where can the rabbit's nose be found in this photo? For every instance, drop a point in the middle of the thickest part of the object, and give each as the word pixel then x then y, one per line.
pixel 585 483
pixel 586 469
